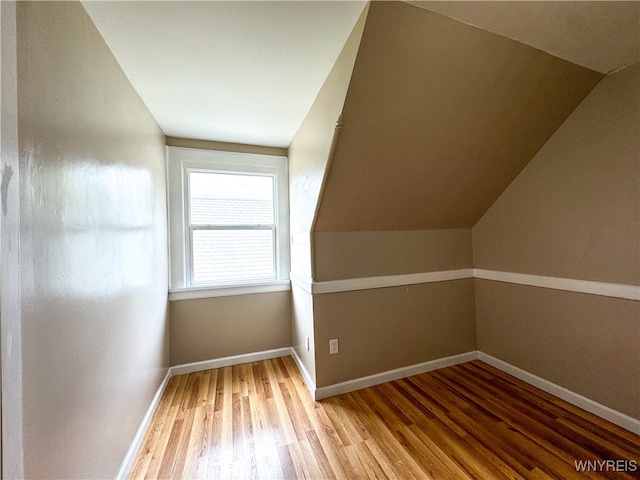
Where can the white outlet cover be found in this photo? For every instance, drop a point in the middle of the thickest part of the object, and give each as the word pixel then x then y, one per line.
pixel 333 346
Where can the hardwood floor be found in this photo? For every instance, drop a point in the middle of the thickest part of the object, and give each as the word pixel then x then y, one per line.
pixel 257 420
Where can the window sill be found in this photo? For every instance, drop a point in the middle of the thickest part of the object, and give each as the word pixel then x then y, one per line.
pixel 228 291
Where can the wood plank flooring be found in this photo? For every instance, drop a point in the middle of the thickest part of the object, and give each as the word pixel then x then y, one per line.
pixel 257 420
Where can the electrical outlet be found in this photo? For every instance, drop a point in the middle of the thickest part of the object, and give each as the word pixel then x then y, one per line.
pixel 333 346
pixel 307 342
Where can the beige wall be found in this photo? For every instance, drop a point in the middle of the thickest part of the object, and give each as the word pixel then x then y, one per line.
pixel 573 212
pixel 340 255
pixel 224 146
pixel 310 148
pixel 588 344
pixel 10 305
pixel 439 118
pixel 309 154
pixel 94 253
pixel 387 328
pixel 601 36
pixel 218 327
pixel 302 326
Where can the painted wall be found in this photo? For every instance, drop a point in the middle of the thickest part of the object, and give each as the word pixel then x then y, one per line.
pixel 310 148
pixel 10 300
pixel 439 118
pixel 303 326
pixel 224 146
pixel 573 212
pixel 309 155
pixel 387 328
pixel 94 248
pixel 342 255
pixel 565 29
pixel 588 344
pixel 217 327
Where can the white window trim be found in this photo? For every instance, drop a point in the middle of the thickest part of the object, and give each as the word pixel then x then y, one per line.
pixel 179 161
pixel 211 292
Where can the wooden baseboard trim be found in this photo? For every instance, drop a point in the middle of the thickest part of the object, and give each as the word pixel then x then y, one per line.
pixel 134 448
pixel 390 375
pixel 618 418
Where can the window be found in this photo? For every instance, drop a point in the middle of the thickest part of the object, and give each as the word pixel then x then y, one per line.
pixel 228 215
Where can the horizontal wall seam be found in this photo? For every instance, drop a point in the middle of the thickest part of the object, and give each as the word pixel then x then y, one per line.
pixel 614 290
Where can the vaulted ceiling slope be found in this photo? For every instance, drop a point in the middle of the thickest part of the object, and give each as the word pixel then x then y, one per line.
pixel 439 118
pixel 229 71
pixel 602 36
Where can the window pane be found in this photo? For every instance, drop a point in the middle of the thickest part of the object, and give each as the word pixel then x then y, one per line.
pixel 230 199
pixel 227 255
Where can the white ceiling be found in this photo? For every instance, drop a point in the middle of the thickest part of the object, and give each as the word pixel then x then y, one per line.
pixel 242 72
pixel 248 71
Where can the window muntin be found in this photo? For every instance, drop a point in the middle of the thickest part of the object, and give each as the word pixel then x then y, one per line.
pixel 228 219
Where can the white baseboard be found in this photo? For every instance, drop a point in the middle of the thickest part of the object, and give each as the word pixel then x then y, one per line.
pixel 620 419
pixel 229 361
pixel 306 377
pixel 390 375
pixel 132 453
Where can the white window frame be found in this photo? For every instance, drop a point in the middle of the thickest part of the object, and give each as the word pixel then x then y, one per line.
pixel 181 161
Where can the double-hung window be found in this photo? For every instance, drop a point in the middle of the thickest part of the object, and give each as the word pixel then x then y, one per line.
pixel 228 216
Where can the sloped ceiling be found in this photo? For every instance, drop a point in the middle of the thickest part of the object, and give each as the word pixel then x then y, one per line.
pixel 248 71
pixel 602 36
pixel 229 71
pixel 439 118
